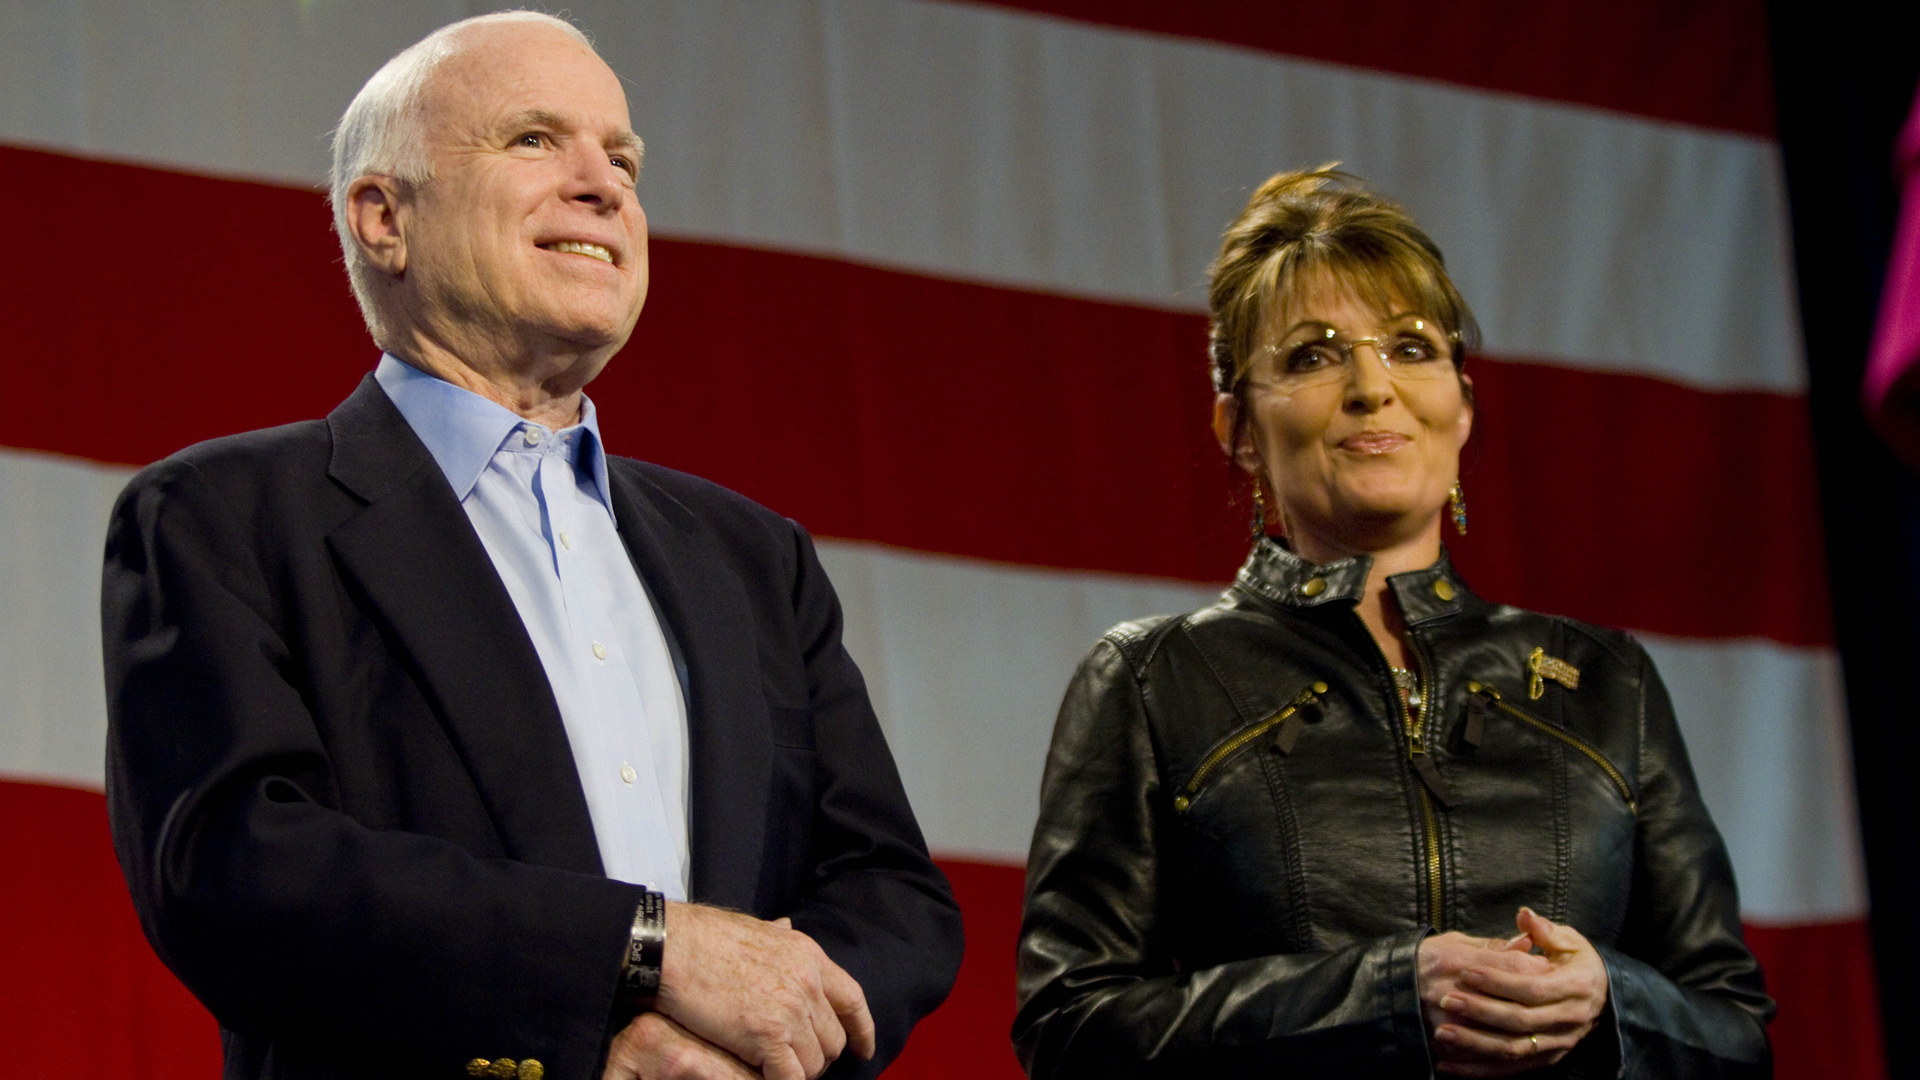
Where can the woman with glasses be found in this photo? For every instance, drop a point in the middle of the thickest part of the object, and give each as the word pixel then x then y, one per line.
pixel 1352 816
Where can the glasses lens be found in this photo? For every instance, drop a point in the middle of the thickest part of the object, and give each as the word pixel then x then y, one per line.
pixel 1415 356
pixel 1328 356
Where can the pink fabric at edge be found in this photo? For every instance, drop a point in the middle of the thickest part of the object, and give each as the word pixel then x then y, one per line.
pixel 1892 386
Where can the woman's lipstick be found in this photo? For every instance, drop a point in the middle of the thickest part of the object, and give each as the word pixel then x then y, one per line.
pixel 1374 442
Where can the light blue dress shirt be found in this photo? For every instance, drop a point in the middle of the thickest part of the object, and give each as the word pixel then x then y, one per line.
pixel 539 500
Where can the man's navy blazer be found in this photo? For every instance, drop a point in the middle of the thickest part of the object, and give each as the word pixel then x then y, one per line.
pixel 344 800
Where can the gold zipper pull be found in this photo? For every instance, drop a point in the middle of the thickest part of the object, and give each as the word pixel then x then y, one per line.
pixel 1288 714
pixel 1429 774
pixel 1290 729
pixel 1479 700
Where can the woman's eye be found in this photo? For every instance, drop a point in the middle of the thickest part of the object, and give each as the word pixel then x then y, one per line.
pixel 1410 348
pixel 1312 358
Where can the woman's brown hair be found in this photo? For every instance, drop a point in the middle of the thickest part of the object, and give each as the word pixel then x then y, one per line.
pixel 1301 228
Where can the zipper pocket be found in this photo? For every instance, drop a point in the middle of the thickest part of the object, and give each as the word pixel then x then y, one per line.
pixel 1238 741
pixel 1487 695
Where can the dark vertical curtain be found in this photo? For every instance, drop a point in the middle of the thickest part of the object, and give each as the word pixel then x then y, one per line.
pixel 1844 86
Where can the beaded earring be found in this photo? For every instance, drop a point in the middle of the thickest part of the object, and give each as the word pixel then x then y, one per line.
pixel 1458 500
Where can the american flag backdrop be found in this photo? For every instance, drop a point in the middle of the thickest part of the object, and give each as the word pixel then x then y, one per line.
pixel 929 278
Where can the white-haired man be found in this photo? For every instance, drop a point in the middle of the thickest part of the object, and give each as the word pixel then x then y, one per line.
pixel 441 741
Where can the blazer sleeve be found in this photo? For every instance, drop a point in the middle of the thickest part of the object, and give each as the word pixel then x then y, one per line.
pixel 1688 997
pixel 876 903
pixel 383 951
pixel 1099 996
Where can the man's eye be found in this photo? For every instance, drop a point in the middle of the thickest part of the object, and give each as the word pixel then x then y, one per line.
pixel 622 164
pixel 532 140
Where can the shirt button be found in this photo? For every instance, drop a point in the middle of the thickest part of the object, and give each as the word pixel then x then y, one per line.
pixel 565 540
pixel 627 774
pixel 532 436
pixel 599 651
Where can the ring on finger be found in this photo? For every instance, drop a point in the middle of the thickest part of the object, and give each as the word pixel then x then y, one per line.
pixel 1535 1040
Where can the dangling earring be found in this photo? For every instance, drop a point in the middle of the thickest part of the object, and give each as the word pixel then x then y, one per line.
pixel 1259 513
pixel 1459 502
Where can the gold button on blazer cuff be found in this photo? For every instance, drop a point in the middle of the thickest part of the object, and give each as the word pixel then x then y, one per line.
pixel 506 1069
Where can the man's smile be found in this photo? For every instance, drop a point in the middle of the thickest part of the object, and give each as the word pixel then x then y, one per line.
pixel 577 247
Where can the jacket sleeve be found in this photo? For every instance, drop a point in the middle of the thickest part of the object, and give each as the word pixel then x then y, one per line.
pixel 1099 995
pixel 876 902
pixel 1688 997
pixel 386 952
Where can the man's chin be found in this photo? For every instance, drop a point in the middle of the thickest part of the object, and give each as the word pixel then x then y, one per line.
pixel 589 331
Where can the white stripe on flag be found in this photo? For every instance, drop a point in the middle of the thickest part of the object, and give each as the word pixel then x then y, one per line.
pixel 971 142
pixel 967 661
pixel 53 524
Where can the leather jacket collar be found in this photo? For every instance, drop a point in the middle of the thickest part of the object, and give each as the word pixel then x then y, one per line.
pixel 1276 574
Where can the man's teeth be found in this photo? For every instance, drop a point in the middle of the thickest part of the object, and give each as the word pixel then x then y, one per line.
pixel 574 247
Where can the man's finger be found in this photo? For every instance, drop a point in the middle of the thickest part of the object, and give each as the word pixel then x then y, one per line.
pixel 828 1029
pixel 653 1047
pixel 850 1005
pixel 782 1064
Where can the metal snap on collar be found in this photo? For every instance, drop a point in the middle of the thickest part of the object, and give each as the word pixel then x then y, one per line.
pixel 1443 588
pixel 1313 587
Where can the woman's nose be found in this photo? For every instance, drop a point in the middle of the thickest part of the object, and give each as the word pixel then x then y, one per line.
pixel 1369 383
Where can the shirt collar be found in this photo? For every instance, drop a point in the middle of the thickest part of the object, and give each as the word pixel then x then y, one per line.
pixel 462 430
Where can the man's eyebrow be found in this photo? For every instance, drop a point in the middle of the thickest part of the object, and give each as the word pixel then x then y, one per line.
pixel 532 118
pixel 543 118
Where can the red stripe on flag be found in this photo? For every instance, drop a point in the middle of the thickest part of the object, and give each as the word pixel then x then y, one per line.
pixel 1699 63
pixel 970 1037
pixel 78 955
pixel 84 995
pixel 929 414
pixel 1829 1022
pixel 1633 502
pixel 1821 975
pixel 1041 430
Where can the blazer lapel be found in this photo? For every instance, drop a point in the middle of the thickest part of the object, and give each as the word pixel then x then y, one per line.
pixel 422 568
pixel 705 613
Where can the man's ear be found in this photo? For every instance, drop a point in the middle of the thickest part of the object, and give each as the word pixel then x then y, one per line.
pixel 1226 411
pixel 375 220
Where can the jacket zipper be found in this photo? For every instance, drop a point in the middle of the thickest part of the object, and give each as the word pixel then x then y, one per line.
pixel 1417 756
pixel 1591 754
pixel 1234 743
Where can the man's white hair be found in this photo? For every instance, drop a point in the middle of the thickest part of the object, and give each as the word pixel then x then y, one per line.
pixel 383 133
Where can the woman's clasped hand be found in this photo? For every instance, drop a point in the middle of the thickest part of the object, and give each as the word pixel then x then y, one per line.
pixel 1495 1007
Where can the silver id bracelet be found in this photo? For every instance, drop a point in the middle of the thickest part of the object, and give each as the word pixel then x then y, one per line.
pixel 646 944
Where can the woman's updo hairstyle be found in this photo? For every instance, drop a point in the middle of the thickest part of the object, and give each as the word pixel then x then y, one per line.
pixel 1303 227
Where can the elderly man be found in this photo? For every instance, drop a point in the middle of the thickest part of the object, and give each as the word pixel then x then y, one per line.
pixel 442 742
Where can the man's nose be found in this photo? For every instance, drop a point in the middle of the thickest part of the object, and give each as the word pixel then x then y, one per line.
pixel 595 181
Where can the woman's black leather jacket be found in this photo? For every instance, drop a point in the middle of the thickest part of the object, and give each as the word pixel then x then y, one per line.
pixel 1237 855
